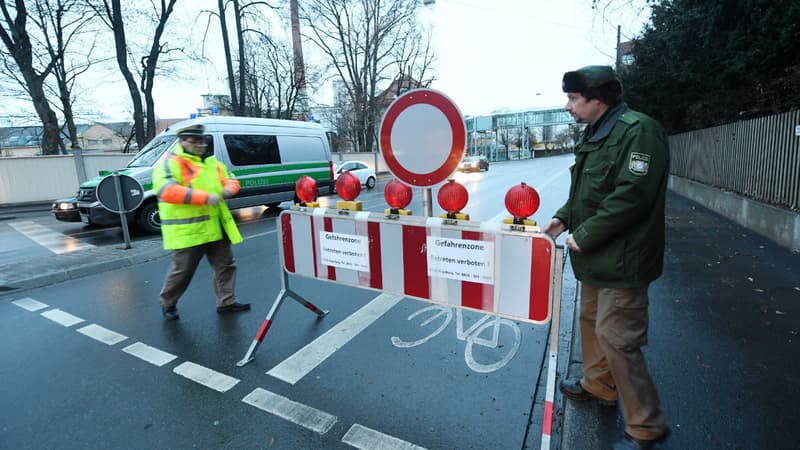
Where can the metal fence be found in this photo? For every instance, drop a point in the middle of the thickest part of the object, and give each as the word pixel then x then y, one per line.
pixel 758 158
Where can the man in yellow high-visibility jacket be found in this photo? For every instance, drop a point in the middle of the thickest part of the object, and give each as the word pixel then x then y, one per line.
pixel 195 221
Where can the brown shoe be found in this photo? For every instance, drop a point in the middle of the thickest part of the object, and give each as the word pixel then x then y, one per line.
pixel 233 307
pixel 629 442
pixel 574 390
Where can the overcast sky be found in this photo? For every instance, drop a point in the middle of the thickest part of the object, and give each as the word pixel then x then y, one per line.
pixel 491 54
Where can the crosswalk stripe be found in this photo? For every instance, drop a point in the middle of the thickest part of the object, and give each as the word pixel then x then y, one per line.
pixel 149 354
pixel 54 241
pixel 63 318
pixel 205 376
pixel 364 438
pixel 101 334
pixel 297 413
pixel 29 304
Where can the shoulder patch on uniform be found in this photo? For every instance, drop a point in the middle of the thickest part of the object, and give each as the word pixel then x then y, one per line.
pixel 639 163
pixel 628 118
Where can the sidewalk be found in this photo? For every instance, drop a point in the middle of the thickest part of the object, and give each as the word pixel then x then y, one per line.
pixel 724 324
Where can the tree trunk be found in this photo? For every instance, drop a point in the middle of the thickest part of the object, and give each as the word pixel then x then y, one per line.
pixel 228 61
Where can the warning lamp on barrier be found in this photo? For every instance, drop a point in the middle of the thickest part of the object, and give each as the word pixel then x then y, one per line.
pixel 398 196
pixel 453 198
pixel 305 189
pixel 521 201
pixel 348 186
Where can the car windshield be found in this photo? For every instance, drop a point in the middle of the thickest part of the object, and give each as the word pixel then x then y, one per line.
pixel 152 151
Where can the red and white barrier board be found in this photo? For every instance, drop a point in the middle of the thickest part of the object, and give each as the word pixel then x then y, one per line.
pixel 507 270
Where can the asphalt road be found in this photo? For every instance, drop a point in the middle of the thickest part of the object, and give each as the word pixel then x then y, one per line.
pixel 91 357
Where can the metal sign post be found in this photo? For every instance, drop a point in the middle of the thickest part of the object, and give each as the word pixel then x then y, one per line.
pixel 121 194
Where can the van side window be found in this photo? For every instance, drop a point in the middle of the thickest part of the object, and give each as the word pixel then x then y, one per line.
pixel 245 150
pixel 302 148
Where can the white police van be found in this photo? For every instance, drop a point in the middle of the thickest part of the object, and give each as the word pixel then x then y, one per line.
pixel 267 156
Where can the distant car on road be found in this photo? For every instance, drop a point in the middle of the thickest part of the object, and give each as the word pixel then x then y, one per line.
pixel 66 210
pixel 473 163
pixel 364 173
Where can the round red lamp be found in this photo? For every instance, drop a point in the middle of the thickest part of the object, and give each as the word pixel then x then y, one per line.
pixel 348 186
pixel 397 194
pixel 452 197
pixel 522 201
pixel 306 189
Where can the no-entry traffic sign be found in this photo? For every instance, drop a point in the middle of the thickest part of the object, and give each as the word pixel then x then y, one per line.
pixel 422 137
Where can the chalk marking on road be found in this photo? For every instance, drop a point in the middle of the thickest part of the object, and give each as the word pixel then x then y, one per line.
pixel 295 367
pixel 205 376
pixel 297 413
pixel 260 234
pixel 62 318
pixel 52 240
pixel 101 334
pixel 29 304
pixel 149 354
pixel 364 438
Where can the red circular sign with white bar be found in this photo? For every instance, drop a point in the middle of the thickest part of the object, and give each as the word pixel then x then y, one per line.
pixel 422 137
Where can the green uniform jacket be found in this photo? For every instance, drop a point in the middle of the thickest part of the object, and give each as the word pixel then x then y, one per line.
pixel 615 209
pixel 182 182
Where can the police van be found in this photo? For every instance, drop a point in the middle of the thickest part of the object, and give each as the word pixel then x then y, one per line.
pixel 267 156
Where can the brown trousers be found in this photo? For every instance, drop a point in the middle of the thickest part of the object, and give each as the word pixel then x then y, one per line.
pixel 184 264
pixel 613 330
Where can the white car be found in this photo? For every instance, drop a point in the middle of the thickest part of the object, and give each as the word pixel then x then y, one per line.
pixel 364 173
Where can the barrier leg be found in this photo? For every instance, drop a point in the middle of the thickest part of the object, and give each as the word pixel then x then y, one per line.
pixel 285 292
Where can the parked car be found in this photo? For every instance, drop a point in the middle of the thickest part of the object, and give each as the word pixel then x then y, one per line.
pixel 364 173
pixel 473 163
pixel 66 210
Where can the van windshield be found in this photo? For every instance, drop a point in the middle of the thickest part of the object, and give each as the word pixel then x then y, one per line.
pixel 153 150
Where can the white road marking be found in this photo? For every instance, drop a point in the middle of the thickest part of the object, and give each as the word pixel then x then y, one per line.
pixel 260 234
pixel 63 318
pixel 364 438
pixel 101 334
pixel 298 413
pixel 205 376
pixel 29 304
pixel 149 354
pixel 50 239
pixel 295 367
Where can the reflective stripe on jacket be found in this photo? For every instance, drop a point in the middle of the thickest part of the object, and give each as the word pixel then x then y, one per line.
pixel 615 209
pixel 182 182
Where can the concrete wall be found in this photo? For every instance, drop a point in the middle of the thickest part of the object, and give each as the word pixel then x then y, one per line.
pixel 778 224
pixel 39 179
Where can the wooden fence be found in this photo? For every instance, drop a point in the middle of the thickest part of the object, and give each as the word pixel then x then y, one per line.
pixel 757 158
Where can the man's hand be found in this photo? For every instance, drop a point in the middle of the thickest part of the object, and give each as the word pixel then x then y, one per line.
pixel 212 200
pixel 572 245
pixel 554 228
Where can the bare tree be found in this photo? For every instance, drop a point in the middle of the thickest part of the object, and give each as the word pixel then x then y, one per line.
pixel 360 40
pixel 34 66
pixel 112 14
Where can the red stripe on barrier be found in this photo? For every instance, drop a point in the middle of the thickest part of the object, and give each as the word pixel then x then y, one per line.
pixel 263 330
pixel 375 267
pixel 541 258
pixel 288 247
pixel 547 423
pixel 331 269
pixel 415 262
pixel 310 306
pixel 476 295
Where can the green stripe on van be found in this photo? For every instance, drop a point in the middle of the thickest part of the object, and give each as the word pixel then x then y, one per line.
pixel 282 167
pixel 281 179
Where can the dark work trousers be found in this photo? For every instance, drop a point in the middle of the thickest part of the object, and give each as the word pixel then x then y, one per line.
pixel 184 264
pixel 613 330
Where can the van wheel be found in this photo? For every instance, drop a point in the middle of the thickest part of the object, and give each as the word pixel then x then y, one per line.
pixel 370 182
pixel 148 219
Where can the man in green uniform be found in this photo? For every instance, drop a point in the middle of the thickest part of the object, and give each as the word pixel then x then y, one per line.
pixel 195 221
pixel 615 216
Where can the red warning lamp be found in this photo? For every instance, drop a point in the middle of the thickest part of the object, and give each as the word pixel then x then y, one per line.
pixel 453 198
pixel 522 201
pixel 306 190
pixel 397 195
pixel 348 186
